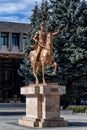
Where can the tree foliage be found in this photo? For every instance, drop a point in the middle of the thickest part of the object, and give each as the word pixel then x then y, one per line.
pixel 72 49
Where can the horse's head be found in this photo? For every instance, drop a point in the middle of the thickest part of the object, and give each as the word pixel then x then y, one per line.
pixel 49 41
pixel 49 38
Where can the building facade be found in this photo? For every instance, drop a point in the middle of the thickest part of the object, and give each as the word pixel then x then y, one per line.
pixel 12 39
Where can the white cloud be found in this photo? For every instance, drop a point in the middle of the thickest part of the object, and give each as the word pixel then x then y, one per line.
pixel 12 18
pixel 16 10
pixel 32 1
pixel 15 19
pixel 11 7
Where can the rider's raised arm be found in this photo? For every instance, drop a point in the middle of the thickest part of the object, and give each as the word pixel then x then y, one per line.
pixel 57 32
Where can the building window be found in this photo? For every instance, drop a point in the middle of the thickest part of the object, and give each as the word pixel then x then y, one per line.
pixel 15 39
pixel 4 38
pixel 24 39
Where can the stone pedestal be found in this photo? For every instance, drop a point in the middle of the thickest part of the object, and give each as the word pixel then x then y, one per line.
pixel 43 106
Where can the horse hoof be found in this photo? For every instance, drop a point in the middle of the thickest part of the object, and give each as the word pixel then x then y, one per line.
pixel 37 83
pixel 44 84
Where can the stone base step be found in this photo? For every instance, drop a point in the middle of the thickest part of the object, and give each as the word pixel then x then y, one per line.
pixel 26 121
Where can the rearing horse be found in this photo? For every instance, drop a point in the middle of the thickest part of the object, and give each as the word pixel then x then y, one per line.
pixel 46 57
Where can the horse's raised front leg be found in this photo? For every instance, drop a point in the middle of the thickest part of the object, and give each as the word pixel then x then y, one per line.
pixel 55 68
pixel 43 71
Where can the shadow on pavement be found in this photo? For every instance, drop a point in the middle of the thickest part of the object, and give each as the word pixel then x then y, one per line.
pixel 71 124
pixel 80 124
pixel 11 113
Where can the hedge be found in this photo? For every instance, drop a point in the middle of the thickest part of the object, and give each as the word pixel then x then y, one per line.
pixel 77 109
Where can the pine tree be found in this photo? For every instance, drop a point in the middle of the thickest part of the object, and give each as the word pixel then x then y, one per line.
pixel 71 45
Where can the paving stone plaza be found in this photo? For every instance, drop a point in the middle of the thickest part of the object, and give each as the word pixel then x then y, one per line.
pixel 9 119
pixel 76 122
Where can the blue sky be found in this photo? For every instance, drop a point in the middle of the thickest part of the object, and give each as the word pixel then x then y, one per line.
pixel 16 10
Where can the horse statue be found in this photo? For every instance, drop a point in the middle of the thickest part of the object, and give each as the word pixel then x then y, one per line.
pixel 45 57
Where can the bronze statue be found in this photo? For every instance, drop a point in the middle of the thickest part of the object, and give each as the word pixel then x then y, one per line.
pixel 42 53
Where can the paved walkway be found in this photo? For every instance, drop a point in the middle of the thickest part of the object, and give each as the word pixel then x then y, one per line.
pixel 10 114
pixel 76 122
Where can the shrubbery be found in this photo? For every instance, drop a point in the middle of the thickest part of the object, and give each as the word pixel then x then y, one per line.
pixel 77 109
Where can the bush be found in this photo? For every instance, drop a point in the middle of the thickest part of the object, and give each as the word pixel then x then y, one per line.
pixel 77 109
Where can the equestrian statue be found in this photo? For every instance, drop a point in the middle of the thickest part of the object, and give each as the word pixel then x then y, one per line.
pixel 42 53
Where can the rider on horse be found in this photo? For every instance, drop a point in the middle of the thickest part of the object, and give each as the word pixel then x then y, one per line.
pixel 40 39
pixel 42 53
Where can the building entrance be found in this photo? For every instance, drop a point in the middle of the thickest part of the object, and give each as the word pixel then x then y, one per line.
pixel 10 81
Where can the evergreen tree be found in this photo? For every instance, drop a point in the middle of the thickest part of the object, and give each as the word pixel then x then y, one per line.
pixel 72 49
